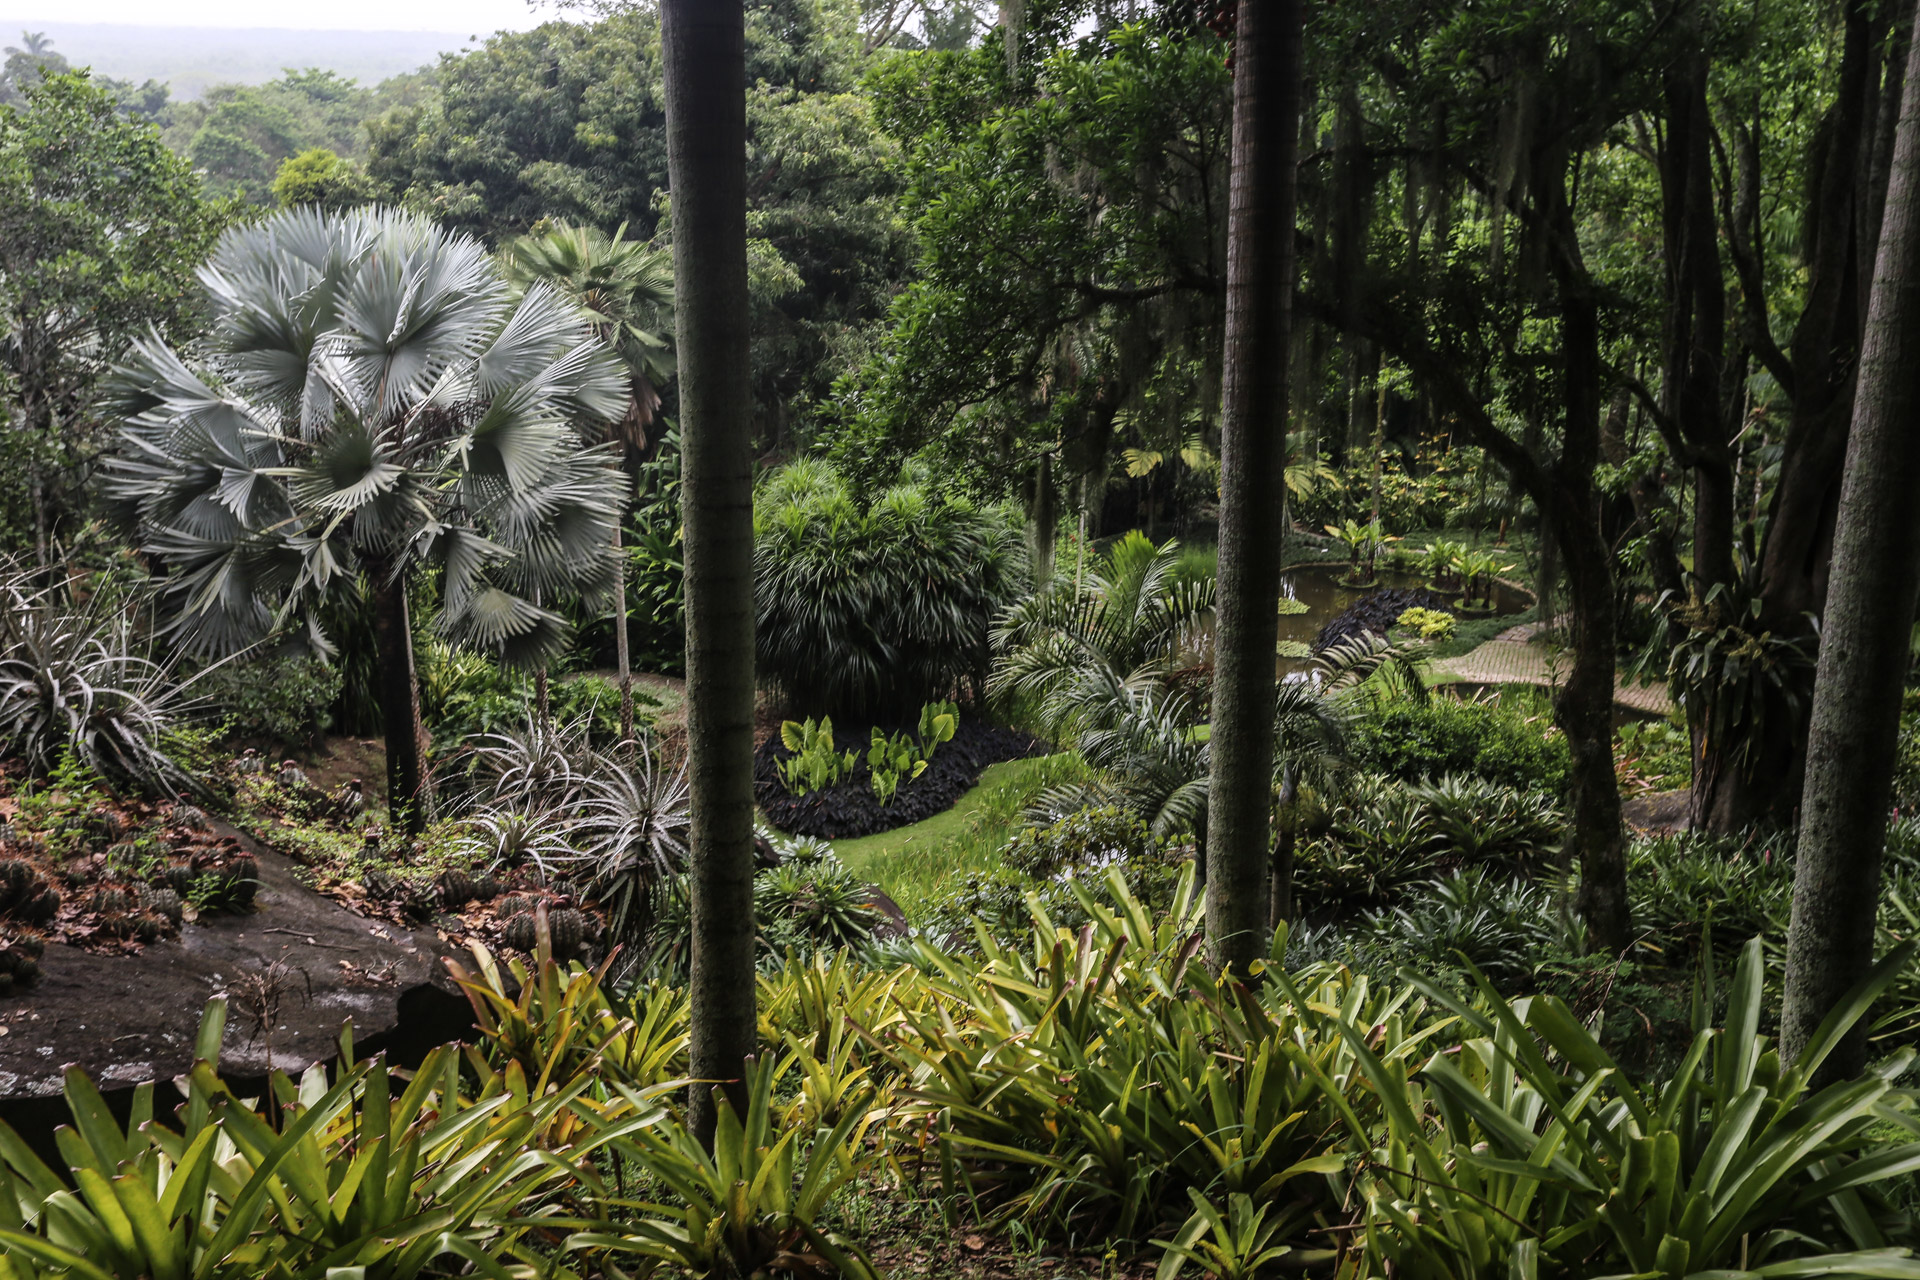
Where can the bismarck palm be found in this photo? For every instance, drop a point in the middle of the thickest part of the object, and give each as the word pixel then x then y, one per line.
pixel 372 400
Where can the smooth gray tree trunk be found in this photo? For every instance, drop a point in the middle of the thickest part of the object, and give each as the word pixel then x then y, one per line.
pixel 705 56
pixel 1260 255
pixel 1855 720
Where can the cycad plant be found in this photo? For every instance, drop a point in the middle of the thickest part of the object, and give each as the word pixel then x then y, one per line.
pixel 624 288
pixel 371 401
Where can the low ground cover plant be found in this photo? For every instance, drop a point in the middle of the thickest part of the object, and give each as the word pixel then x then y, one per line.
pixel 1092 1085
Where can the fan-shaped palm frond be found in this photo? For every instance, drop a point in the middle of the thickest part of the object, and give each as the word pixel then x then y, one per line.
pixel 624 288
pixel 1376 665
pixel 373 394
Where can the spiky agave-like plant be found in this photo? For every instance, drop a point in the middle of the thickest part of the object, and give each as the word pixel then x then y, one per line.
pixel 373 400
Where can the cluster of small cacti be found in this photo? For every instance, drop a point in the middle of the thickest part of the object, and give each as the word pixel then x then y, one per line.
pixel 20 953
pixel 164 902
pixel 570 932
pixel 191 818
pixel 230 886
pixel 416 899
pixel 93 829
pixel 458 888
pixel 25 895
pixel 123 913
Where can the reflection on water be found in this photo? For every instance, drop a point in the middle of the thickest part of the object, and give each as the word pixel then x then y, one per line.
pixel 1318 588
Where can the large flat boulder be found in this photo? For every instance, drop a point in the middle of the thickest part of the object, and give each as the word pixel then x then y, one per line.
pixel 302 959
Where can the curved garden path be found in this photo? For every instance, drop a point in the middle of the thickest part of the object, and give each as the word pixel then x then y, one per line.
pixel 1521 655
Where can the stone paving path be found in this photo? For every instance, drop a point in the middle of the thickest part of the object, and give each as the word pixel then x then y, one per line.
pixel 1519 656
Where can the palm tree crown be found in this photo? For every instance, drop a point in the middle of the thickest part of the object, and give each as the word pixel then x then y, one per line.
pixel 624 286
pixel 373 398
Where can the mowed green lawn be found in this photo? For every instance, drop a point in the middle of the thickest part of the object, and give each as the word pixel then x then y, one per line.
pixel 918 863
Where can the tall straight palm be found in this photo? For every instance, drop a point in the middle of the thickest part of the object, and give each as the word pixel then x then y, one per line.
pixel 372 400
pixel 705 47
pixel 622 286
pixel 1266 92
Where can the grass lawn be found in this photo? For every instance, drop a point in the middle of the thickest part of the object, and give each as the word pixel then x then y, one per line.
pixel 916 863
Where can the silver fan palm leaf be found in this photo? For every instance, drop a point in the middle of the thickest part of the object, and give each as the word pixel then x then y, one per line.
pixel 373 398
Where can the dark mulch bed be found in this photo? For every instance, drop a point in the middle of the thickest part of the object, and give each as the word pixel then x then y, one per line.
pixel 849 808
pixel 1378 610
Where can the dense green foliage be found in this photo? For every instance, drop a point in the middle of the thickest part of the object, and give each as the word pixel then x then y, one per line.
pixel 101 228
pixel 1448 735
pixel 1051 314
pixel 871 608
pixel 567 122
pixel 240 136
pixel 1368 1124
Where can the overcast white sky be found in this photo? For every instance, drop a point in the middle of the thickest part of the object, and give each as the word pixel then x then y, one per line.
pixel 468 16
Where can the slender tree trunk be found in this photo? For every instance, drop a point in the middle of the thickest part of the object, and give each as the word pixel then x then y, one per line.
pixel 399 700
pixel 705 57
pixel 1819 370
pixel 1280 867
pixel 542 697
pixel 1252 475
pixel 622 658
pixel 1863 651
pixel 37 493
pixel 1584 705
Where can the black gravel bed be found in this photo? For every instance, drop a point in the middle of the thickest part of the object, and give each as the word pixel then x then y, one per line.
pixel 1378 610
pixel 849 808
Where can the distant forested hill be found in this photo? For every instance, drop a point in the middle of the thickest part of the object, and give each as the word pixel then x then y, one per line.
pixel 191 58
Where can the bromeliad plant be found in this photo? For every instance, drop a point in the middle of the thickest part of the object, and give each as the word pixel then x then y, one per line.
pixel 1531 1153
pixel 74 682
pixel 347 1179
pixel 750 1207
pixel 1104 1072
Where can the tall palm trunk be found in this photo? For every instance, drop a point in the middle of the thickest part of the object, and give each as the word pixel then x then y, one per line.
pixel 1863 649
pixel 399 699
pixel 1252 477
pixel 705 56
pixel 622 656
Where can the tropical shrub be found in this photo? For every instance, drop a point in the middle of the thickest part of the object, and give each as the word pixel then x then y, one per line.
pixel 752 1206
pixel 1687 886
pixel 896 758
pixel 1475 821
pixel 1176 1082
pixel 353 1177
pixel 1498 925
pixel 869 609
pixel 1446 735
pixel 288 698
pixel 1530 1152
pixel 808 902
pixel 1128 624
pixel 814 763
pixel 1430 624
